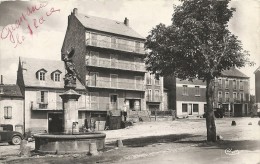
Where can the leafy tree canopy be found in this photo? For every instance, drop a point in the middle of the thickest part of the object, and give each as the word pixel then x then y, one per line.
pixel 197 44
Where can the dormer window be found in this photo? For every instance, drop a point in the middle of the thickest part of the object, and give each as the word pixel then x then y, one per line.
pixel 55 76
pixel 41 74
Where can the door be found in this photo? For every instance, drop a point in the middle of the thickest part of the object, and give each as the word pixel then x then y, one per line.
pixel 190 109
pixel 238 110
pixel 114 80
pixel 55 122
pixel 93 78
pixel 114 59
pixel 113 102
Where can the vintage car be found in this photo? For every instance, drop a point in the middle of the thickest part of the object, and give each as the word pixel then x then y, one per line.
pixel 8 135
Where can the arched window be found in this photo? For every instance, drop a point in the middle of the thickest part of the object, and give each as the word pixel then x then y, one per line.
pixel 40 75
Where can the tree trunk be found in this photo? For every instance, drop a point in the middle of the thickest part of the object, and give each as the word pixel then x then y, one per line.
pixel 210 120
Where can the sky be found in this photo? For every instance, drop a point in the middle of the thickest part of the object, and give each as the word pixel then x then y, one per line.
pixel 42 25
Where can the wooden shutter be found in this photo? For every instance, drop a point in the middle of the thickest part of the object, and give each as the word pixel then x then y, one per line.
pixel 38 96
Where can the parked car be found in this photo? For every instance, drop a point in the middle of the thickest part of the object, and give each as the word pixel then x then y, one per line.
pixel 8 135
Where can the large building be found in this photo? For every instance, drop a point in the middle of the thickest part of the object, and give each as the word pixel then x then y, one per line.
pixel 231 93
pixel 11 106
pixel 41 82
pixel 257 87
pixel 109 58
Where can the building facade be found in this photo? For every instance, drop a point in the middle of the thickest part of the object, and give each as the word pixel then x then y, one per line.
pixel 232 91
pixel 155 93
pixel 109 56
pixel 190 97
pixel 41 82
pixel 257 88
pixel 11 106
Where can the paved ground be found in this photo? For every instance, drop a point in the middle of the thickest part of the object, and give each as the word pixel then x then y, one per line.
pixel 180 141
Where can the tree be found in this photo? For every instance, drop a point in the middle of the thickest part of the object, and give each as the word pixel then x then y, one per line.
pixel 197 44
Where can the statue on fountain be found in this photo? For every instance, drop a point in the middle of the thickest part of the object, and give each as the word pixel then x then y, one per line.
pixel 70 77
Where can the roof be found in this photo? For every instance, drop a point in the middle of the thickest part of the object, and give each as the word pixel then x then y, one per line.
pixel 258 69
pixel 107 25
pixel 31 66
pixel 11 90
pixel 233 72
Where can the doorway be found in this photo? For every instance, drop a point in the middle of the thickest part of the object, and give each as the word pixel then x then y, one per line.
pixel 113 102
pixel 55 122
pixel 190 109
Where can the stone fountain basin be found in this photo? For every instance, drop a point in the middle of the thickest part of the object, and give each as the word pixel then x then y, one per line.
pixel 68 143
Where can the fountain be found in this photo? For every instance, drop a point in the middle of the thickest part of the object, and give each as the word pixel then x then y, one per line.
pixel 71 140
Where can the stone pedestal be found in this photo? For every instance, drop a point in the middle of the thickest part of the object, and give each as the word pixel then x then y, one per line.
pixel 70 101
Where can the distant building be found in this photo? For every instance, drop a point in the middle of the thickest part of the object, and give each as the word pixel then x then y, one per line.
pixel 257 87
pixel 11 105
pixel 155 94
pixel 41 82
pixel 231 92
pixel 189 96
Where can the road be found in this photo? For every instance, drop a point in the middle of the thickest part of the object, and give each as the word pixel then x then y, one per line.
pixel 180 141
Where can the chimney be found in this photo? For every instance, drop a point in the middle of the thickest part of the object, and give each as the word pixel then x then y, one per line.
pixel 75 11
pixel 2 80
pixel 126 21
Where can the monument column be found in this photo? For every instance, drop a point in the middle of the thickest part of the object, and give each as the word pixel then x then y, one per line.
pixel 70 109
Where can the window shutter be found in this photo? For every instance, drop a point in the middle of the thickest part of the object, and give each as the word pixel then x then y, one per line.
pixel 38 96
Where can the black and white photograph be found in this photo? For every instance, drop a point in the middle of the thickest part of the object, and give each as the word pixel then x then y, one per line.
pixel 130 81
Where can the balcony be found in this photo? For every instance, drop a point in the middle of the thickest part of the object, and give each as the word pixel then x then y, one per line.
pixel 115 46
pixel 154 99
pixel 115 85
pixel 122 65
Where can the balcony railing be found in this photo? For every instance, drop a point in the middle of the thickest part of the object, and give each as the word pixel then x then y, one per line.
pixel 116 46
pixel 123 65
pixel 115 85
pixel 154 99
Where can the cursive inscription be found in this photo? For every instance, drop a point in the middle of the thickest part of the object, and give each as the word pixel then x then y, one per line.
pixel 11 33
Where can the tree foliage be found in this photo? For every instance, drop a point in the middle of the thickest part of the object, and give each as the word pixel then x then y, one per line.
pixel 197 44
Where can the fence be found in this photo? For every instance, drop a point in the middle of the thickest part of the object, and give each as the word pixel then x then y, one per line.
pixel 163 115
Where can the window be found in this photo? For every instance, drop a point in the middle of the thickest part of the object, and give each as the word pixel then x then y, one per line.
pixel 184 108
pixel 234 84
pixel 93 78
pixel 227 96
pixel 149 95
pixel 7 112
pixel 197 90
pixel 220 83
pixel 56 77
pixel 42 99
pixel 195 107
pixel 114 80
pixel 185 90
pixel 220 96
pixel 241 85
pixel 157 81
pixel 148 79
pixel 226 84
pixel 139 82
pixel 157 95
pixel 234 96
pixel 94 100
pixel 42 76
pixel 241 96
